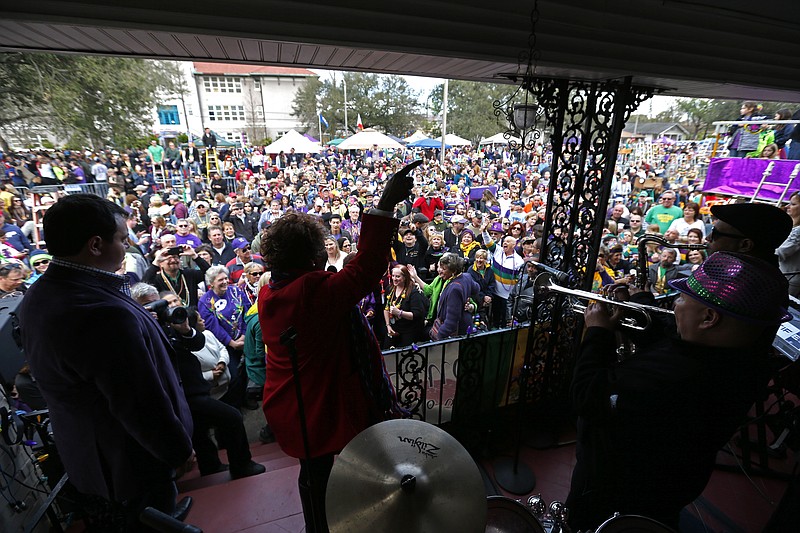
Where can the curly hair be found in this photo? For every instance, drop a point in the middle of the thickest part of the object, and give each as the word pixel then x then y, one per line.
pixel 453 263
pixel 294 242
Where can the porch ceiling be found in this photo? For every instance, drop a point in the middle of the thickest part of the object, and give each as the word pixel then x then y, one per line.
pixel 699 48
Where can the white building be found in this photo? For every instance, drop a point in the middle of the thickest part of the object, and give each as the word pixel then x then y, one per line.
pixel 236 101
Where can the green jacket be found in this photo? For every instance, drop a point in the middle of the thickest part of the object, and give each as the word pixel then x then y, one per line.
pixel 433 290
pixel 255 353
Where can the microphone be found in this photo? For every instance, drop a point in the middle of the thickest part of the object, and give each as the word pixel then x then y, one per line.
pixel 558 275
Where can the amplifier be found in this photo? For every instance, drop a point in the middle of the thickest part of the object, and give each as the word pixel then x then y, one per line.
pixel 11 358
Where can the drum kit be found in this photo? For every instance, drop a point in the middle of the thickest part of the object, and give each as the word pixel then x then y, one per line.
pixel 407 476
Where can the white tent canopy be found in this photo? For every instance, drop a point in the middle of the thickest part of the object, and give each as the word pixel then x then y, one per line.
pixel 454 140
pixel 367 139
pixel 499 139
pixel 416 136
pixel 290 140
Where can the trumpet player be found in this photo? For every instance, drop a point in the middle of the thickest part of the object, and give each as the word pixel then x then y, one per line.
pixel 649 427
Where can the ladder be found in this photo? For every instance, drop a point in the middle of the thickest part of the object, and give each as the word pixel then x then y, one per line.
pixel 766 175
pixel 159 174
pixel 212 163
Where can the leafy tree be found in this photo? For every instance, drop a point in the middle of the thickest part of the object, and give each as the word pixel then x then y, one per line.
pixel 93 101
pixel 470 109
pixel 698 114
pixel 384 102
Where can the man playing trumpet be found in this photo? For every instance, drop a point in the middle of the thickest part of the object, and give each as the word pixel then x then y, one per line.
pixel 649 428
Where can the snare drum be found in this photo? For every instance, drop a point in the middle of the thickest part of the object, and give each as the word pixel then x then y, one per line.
pixel 510 516
pixel 632 524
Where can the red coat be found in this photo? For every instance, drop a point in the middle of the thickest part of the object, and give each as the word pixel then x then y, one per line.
pixel 428 206
pixel 318 305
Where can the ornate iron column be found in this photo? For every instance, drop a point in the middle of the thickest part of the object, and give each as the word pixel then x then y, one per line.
pixel 585 121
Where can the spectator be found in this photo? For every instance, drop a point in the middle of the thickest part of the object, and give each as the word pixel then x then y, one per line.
pixel 12 278
pixel 506 264
pixel 244 257
pixel 664 271
pixel 166 274
pixel 452 316
pixel 222 308
pixel 405 310
pixel 14 235
pixel 184 234
pixel 222 252
pixel 789 251
pixel 664 213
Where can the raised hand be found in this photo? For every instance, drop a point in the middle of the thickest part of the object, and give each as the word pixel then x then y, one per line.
pixel 398 188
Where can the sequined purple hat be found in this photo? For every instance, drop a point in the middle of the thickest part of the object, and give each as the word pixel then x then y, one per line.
pixel 496 227
pixel 742 286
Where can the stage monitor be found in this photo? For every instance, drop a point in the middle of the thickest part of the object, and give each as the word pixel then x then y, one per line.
pixel 11 359
pixel 787 341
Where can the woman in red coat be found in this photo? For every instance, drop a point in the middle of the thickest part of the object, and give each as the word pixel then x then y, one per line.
pixel 341 374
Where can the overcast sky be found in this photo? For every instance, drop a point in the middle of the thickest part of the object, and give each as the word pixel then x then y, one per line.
pixel 651 107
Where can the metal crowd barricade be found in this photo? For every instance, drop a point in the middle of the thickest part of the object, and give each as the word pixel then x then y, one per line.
pixel 38 209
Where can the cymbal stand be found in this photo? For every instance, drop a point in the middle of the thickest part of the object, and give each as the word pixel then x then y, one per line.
pixel 288 339
pixel 509 473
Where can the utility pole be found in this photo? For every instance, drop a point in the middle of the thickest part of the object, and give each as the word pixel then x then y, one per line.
pixel 444 123
pixel 344 82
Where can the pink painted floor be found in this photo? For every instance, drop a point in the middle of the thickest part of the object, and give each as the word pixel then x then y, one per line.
pixel 269 503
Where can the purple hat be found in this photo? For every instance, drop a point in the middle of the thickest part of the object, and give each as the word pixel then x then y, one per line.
pixel 496 227
pixel 239 243
pixel 467 230
pixel 742 286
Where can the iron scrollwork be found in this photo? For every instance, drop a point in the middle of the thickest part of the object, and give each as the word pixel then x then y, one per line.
pixel 586 119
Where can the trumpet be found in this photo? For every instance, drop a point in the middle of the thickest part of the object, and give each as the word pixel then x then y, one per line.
pixel 637 317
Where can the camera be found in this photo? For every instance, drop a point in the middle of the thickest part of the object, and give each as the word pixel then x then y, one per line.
pixel 166 314
pixel 175 250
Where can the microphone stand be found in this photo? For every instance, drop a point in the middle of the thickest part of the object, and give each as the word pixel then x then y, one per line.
pixel 288 338
pixel 517 294
pixel 510 474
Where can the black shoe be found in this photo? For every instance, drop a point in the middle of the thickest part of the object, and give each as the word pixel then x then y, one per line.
pixel 250 469
pixel 182 508
pixel 221 468
pixel 265 435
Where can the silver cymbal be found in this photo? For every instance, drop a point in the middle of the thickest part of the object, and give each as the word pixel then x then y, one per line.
pixel 405 476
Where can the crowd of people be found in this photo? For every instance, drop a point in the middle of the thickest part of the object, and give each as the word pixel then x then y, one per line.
pixel 275 247
pixel 485 199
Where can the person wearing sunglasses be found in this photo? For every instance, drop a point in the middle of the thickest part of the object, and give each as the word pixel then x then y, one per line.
pixel 12 277
pixel 40 260
pixel 244 256
pixel 102 349
pixel 754 229
pixel 166 274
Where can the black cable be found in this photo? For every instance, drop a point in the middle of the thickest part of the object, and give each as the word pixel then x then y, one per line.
pixel 6 476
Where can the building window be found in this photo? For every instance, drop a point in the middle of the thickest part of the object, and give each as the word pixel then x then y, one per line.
pixel 244 137
pixel 229 135
pixel 256 84
pixel 222 84
pixel 281 133
pixel 168 114
pixel 226 112
pixel 260 111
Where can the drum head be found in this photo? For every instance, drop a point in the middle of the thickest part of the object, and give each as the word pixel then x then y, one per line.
pixel 509 516
pixel 632 524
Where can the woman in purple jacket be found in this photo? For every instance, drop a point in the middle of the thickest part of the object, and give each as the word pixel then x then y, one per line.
pixel 223 308
pixel 452 318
